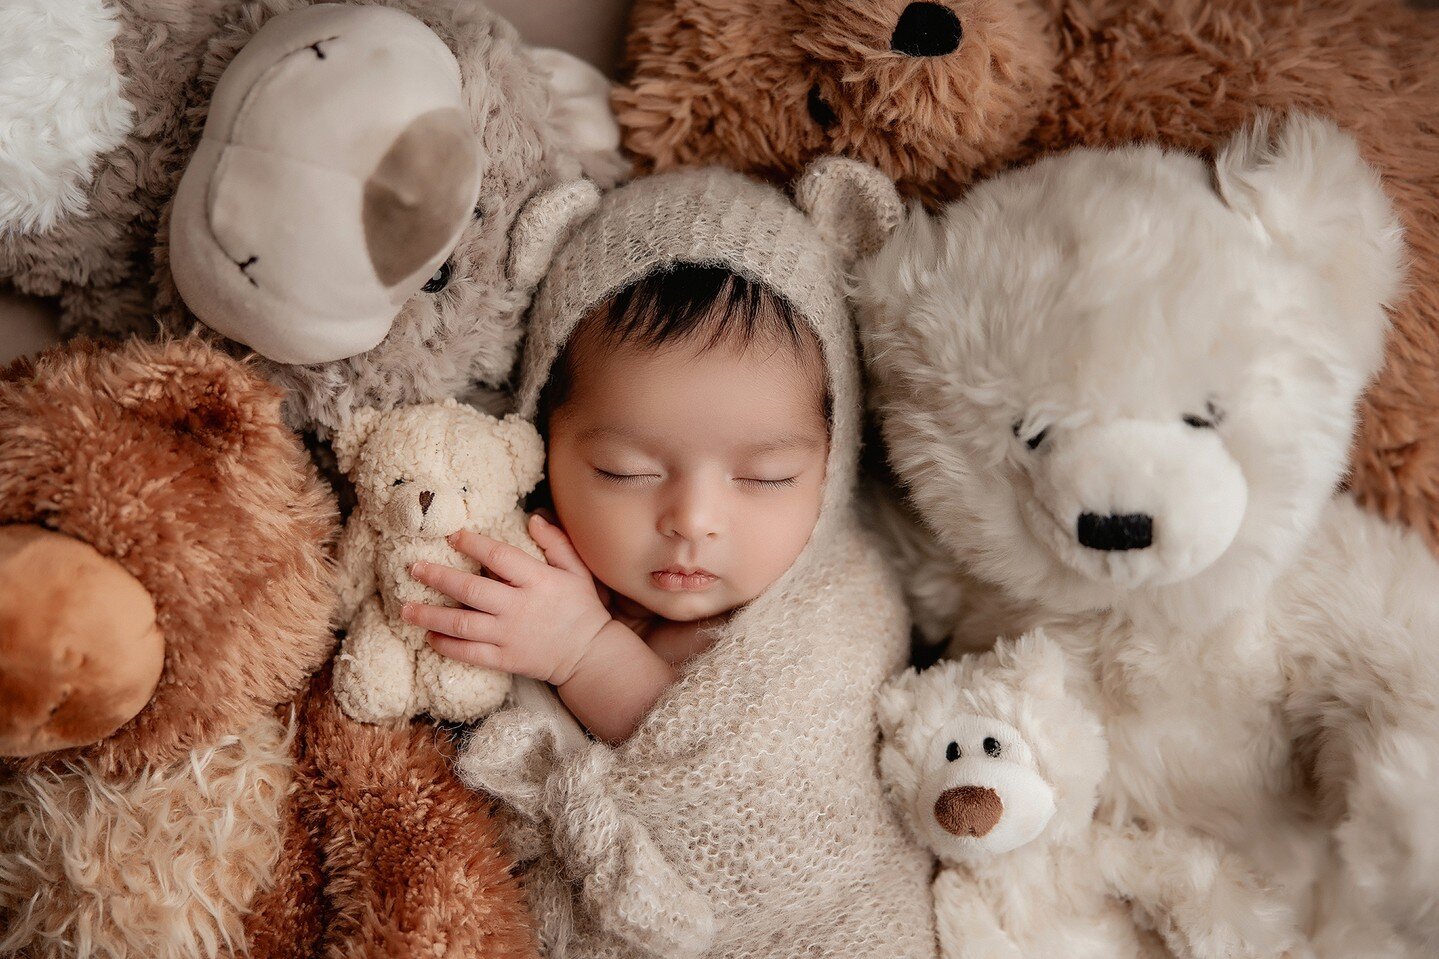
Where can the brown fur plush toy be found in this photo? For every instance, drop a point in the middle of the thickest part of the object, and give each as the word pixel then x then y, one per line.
pixel 937 93
pixel 173 783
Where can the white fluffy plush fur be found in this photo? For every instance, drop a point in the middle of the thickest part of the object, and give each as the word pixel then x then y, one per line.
pixel 1045 879
pixel 422 473
pixel 61 106
pixel 1133 333
pixel 82 858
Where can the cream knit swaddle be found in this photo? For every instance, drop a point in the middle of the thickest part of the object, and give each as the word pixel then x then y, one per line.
pixel 744 817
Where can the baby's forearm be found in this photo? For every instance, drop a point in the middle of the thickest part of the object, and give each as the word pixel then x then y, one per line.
pixel 616 683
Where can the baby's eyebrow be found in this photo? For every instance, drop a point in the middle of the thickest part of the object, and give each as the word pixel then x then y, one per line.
pixel 779 444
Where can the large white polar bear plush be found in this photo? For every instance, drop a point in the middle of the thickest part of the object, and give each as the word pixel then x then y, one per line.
pixel 1119 387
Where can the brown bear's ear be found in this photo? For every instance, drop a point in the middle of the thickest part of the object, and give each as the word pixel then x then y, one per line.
pixel 195 391
pixel 350 437
pixel 854 205
pixel 526 449
pixel 543 226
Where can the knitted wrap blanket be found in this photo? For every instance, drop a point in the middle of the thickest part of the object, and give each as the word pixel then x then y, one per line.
pixel 744 817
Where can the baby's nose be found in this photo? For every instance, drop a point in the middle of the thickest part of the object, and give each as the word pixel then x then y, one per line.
pixel 426 498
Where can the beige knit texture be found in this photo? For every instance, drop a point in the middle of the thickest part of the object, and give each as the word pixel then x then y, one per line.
pixel 744 817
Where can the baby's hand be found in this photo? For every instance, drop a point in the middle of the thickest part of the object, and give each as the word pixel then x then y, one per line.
pixel 539 622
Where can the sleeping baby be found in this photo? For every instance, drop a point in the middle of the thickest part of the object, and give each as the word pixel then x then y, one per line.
pixel 708 609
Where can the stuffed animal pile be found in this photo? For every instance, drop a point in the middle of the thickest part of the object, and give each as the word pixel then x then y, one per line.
pixel 1120 385
pixel 173 784
pixel 938 93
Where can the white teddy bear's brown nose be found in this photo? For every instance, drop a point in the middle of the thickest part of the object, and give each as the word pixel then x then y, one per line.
pixel 426 498
pixel 968 810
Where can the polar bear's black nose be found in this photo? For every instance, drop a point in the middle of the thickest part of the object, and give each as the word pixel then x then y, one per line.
pixel 426 498
pixel 926 30
pixel 1119 531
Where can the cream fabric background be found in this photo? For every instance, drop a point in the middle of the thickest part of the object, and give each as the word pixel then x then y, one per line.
pixel 591 29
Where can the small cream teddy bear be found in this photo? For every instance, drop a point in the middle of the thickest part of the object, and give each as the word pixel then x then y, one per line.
pixel 422 473
pixel 988 757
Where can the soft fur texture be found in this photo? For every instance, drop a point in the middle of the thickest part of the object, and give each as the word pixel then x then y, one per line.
pixel 730 81
pixel 997 768
pixel 744 816
pixel 1107 329
pixel 58 78
pixel 111 264
pixel 421 474
pixel 203 827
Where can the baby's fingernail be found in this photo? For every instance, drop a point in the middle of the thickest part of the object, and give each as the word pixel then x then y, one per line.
pixel 417 567
pixel 540 519
pixel 407 610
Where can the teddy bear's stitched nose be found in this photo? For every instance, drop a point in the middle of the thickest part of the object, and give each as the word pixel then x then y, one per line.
pixel 926 30
pixel 1116 532
pixel 968 810
pixel 426 498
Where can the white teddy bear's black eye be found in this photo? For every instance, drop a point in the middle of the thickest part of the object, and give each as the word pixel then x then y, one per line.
pixel 1211 419
pixel 398 482
pixel 951 752
pixel 991 747
pixel 1033 441
pixel 441 279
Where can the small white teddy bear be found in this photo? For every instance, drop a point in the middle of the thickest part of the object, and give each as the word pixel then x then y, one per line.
pixel 422 473
pixel 988 757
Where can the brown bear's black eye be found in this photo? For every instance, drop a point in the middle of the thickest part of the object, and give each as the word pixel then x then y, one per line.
pixel 991 747
pixel 951 752
pixel 820 111
pixel 441 279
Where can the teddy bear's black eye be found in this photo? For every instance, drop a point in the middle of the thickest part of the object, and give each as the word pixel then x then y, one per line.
pixel 464 489
pixel 951 752
pixel 820 111
pixel 1211 419
pixel 991 746
pixel 441 279
pixel 1033 441
pixel 398 482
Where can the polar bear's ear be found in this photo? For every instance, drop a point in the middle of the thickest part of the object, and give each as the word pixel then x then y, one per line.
pixel 896 701
pixel 1039 664
pixel 526 450
pixel 854 206
pixel 1303 185
pixel 542 227
pixel 350 437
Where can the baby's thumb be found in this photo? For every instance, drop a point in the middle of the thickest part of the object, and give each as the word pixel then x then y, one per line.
pixel 552 541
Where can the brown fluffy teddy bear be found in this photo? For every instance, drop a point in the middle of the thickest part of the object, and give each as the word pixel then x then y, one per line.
pixel 372 222
pixel 937 93
pixel 174 784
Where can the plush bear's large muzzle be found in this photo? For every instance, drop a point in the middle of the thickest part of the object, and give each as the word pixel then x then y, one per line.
pixel 80 650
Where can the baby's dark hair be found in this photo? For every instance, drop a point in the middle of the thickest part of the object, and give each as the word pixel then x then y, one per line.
pixel 681 303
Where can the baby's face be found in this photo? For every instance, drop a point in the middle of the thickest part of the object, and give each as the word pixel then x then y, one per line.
pixel 690 480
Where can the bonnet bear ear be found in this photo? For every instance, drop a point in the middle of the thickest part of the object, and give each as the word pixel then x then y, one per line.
pixel 349 439
pixel 1303 185
pixel 854 206
pixel 542 227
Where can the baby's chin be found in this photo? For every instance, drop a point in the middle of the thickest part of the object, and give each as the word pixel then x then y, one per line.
pixel 680 607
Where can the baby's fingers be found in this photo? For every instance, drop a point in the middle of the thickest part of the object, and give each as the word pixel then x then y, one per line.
pixel 510 564
pixel 468 651
pixel 476 592
pixel 555 543
pixel 464 623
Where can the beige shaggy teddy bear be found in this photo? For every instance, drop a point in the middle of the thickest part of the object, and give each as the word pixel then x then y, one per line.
pixel 422 473
pixel 996 769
